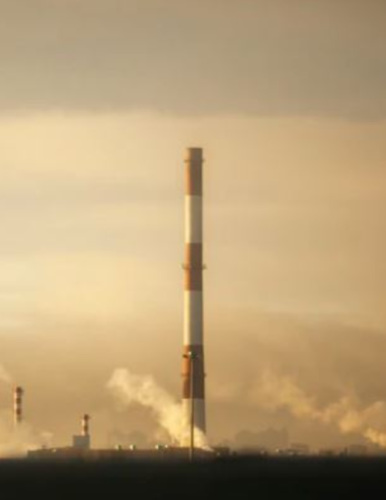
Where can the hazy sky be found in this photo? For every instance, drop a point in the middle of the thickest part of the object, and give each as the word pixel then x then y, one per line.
pixel 269 57
pixel 98 100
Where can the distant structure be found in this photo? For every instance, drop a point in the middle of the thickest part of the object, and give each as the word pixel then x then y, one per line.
pixel 86 425
pixel 357 450
pixel 18 406
pixel 193 391
pixel 81 449
pixel 268 439
pixel 82 442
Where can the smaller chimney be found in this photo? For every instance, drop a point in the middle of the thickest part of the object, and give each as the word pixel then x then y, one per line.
pixel 82 441
pixel 18 406
pixel 86 425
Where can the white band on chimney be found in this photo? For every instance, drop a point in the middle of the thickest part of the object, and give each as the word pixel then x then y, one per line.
pixel 193 318
pixel 193 219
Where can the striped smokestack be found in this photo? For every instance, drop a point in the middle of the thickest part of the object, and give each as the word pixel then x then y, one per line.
pixel 193 351
pixel 18 406
pixel 86 425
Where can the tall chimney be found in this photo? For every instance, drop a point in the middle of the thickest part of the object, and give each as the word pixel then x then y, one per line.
pixel 18 406
pixel 193 351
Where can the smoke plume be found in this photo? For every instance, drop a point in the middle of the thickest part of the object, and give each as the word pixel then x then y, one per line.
pixel 130 388
pixel 5 377
pixel 276 392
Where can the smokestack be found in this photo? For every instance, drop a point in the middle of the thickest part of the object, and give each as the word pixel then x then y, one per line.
pixel 18 406
pixel 82 442
pixel 86 425
pixel 193 350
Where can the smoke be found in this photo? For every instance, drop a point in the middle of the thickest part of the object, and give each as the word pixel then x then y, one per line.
pixel 275 392
pixel 376 437
pixel 5 377
pixel 16 442
pixel 143 390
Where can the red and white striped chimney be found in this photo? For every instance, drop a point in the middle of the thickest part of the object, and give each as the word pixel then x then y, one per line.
pixel 193 350
pixel 18 406
pixel 86 425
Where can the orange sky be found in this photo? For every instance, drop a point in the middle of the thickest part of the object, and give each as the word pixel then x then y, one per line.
pixel 93 216
pixel 99 100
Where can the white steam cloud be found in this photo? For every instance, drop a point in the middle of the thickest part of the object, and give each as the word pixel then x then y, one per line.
pixel 130 388
pixel 274 392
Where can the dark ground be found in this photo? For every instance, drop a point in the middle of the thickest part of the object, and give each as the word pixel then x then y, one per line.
pixel 249 477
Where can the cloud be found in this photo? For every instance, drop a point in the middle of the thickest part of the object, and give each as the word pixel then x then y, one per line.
pixel 253 57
